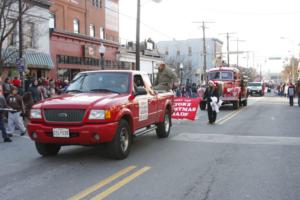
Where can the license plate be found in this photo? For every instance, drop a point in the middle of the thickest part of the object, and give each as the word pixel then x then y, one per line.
pixel 61 132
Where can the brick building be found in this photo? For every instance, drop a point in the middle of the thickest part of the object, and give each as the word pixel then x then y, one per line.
pixel 78 29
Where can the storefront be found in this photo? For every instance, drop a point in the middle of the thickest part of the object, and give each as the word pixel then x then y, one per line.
pixel 37 64
pixel 73 53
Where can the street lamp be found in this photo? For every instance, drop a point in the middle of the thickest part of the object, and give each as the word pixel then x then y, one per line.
pixel 102 52
pixel 181 69
pixel 137 42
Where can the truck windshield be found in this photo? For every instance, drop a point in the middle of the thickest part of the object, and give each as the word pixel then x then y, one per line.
pixel 100 82
pixel 254 84
pixel 220 76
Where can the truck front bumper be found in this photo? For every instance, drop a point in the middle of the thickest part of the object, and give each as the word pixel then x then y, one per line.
pixel 88 134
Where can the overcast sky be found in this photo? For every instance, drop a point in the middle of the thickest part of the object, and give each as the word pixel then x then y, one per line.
pixel 260 23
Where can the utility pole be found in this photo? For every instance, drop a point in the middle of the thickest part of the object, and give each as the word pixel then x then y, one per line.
pixel 237 50
pixel 137 42
pixel 204 49
pixel 21 43
pixel 228 53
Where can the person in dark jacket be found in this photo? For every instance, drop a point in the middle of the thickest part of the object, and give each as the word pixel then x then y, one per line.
pixel 36 94
pixel 15 119
pixel 298 91
pixel 210 92
pixel 2 127
pixel 291 93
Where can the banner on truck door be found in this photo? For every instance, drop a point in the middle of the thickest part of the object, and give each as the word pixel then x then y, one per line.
pixel 185 108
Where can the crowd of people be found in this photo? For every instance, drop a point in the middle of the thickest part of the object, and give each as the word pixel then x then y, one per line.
pixel 290 91
pixel 16 101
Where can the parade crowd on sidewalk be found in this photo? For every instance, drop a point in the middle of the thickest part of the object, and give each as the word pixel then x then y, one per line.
pixel 16 100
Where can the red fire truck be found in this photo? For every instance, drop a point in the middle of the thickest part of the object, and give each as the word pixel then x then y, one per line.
pixel 231 84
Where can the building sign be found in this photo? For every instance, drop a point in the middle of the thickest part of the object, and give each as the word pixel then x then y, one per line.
pixel 91 51
pixel 185 108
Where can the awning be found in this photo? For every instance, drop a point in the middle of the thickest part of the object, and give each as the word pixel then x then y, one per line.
pixel 33 59
pixel 38 60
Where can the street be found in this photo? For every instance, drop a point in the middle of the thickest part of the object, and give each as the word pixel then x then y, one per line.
pixel 251 153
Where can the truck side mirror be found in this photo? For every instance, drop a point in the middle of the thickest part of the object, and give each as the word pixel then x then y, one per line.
pixel 140 91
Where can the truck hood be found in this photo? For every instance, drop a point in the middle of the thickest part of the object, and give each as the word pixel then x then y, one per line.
pixel 80 100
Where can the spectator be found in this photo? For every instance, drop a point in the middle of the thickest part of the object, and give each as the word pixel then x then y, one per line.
pixel 6 87
pixel 291 92
pixel 15 119
pixel 298 91
pixel 36 94
pixel 2 128
pixel 28 103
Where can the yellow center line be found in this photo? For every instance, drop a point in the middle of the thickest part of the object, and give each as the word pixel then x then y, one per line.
pixel 225 117
pixel 120 184
pixel 102 183
pixel 230 117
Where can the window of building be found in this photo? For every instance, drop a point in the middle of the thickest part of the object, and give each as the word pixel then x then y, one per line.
pixel 13 38
pixel 52 21
pixel 190 51
pixel 29 35
pixel 101 33
pixel 92 30
pixel 97 3
pixel 167 52
pixel 76 25
pixel 178 52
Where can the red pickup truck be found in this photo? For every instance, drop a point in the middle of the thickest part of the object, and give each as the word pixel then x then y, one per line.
pixel 101 107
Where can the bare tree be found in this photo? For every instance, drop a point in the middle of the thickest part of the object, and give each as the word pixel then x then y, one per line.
pixel 10 16
pixel 286 73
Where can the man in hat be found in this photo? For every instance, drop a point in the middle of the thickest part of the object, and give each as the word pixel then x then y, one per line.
pixel 165 78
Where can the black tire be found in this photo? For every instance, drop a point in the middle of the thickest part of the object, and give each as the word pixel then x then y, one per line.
pixel 163 128
pixel 47 149
pixel 202 105
pixel 119 148
pixel 245 102
pixel 236 105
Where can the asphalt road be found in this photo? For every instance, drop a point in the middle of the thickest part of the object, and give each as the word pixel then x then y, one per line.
pixel 252 153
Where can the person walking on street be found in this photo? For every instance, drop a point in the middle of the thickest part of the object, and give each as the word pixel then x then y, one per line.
pixel 15 120
pixel 291 93
pixel 165 79
pixel 2 127
pixel 298 91
pixel 209 93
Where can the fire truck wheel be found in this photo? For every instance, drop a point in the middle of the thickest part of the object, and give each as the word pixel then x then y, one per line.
pixel 163 128
pixel 245 103
pixel 47 149
pixel 119 148
pixel 236 105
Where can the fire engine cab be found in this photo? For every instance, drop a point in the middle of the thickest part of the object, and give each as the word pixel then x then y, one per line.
pixel 231 84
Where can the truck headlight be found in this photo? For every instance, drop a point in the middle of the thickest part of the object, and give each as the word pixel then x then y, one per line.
pixel 99 114
pixel 36 114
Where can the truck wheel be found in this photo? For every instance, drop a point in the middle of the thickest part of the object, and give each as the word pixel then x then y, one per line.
pixel 236 105
pixel 245 103
pixel 47 149
pixel 163 128
pixel 119 148
pixel 202 105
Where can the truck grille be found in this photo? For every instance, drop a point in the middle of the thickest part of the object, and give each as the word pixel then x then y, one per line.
pixel 63 115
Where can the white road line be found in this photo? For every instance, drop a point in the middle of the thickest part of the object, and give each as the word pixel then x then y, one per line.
pixel 236 139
